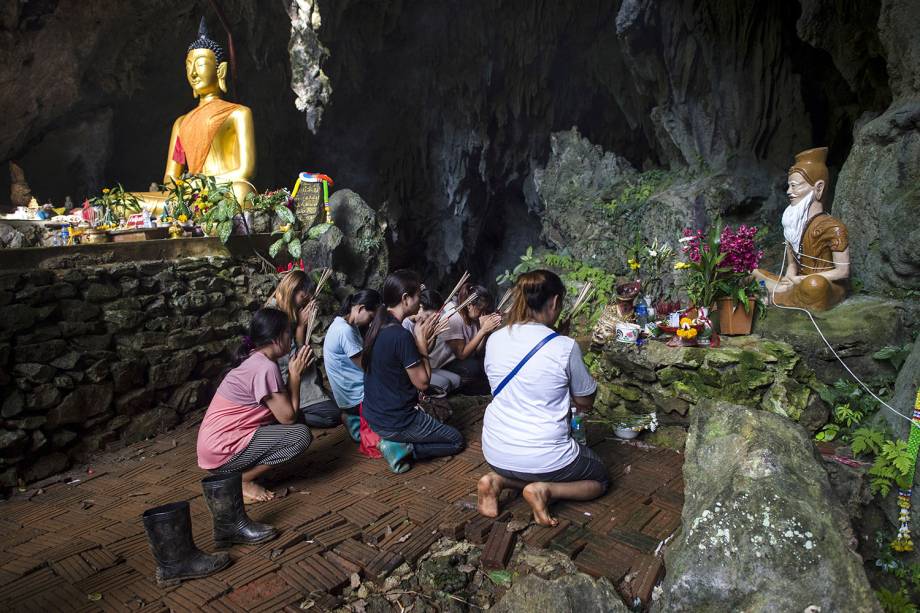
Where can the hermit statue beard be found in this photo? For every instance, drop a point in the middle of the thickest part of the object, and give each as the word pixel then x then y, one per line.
pixel 794 219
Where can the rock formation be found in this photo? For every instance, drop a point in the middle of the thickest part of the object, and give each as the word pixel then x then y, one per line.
pixel 762 530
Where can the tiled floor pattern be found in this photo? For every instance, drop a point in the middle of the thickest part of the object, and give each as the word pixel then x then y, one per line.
pixel 82 547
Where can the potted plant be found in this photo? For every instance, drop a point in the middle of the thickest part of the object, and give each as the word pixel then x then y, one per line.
pixel 719 274
pixel 738 302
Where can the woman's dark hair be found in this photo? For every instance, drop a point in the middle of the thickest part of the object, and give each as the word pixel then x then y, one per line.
pixel 368 298
pixel 484 299
pixel 267 326
pixel 397 284
pixel 431 300
pixel 532 291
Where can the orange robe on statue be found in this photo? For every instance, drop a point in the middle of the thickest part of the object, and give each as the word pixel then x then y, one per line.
pixel 823 236
pixel 197 132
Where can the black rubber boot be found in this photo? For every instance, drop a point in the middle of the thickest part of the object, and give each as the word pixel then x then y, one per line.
pixel 169 529
pixel 224 495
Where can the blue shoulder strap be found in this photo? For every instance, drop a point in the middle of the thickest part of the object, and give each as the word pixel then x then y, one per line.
pixel 520 365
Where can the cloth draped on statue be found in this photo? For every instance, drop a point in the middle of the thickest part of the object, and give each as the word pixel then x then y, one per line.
pixel 197 132
pixel 823 236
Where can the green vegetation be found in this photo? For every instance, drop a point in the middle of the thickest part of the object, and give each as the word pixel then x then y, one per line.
pixel 893 354
pixel 851 405
pixel 903 599
pixel 637 192
pixel 574 274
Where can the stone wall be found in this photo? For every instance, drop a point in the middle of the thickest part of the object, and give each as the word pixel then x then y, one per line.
pixel 96 357
pixel 746 370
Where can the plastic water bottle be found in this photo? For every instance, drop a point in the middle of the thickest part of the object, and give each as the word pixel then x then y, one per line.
pixel 641 314
pixel 578 428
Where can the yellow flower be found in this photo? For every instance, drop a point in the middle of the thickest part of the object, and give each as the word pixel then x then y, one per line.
pixel 284 228
pixel 681 266
pixel 685 322
pixel 183 218
pixel 687 333
pixel 203 193
pixel 105 190
pixel 633 264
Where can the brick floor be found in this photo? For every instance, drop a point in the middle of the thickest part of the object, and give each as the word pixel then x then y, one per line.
pixel 82 546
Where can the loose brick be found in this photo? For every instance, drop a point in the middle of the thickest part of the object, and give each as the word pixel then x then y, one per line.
pixel 498 548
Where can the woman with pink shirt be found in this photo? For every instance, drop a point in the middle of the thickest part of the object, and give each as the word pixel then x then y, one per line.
pixel 251 423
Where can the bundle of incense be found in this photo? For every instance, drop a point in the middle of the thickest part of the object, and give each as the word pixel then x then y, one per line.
pixel 311 323
pixel 454 310
pixel 453 292
pixel 506 299
pixel 323 278
pixel 582 298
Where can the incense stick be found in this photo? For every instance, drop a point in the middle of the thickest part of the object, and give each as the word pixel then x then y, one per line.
pixel 582 299
pixel 505 298
pixel 453 292
pixel 472 297
pixel 311 323
pixel 327 272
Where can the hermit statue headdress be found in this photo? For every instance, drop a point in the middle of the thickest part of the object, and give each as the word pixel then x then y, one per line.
pixel 811 164
pixel 204 42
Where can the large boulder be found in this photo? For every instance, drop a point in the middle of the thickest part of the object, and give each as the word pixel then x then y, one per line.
pixel 856 328
pixel 762 530
pixel 362 255
pixel 576 593
pixel 593 203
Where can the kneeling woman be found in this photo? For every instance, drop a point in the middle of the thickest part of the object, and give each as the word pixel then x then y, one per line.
pixel 397 367
pixel 525 432
pixel 250 425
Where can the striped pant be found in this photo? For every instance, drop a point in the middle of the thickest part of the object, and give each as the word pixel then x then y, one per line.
pixel 273 444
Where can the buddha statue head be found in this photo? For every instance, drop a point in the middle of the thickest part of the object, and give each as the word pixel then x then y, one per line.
pixel 206 65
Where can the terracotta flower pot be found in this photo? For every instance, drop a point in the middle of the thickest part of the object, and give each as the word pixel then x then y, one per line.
pixel 733 319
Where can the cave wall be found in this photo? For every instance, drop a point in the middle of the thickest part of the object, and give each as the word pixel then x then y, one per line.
pixel 440 114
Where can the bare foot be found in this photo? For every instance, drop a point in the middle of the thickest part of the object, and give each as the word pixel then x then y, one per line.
pixel 253 492
pixel 487 492
pixel 538 497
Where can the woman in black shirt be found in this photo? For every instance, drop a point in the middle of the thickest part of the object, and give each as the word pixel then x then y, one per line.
pixel 396 368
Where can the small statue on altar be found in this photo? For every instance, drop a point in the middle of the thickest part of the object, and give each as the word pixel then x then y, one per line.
pixel 817 255
pixel 216 138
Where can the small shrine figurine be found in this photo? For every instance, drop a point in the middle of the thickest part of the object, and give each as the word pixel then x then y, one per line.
pixel 817 248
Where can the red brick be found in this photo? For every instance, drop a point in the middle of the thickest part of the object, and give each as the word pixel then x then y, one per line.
pixel 498 547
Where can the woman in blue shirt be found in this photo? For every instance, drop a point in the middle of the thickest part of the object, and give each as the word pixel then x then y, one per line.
pixel 342 355
pixel 397 367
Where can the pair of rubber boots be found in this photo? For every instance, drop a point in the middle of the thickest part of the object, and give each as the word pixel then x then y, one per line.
pixel 169 529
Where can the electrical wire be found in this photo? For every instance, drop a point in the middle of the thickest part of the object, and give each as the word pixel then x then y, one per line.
pixel 829 346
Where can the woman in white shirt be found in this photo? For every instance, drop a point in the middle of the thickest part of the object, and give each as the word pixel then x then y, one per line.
pixel 525 434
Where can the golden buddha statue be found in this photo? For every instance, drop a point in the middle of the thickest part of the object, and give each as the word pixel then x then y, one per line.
pixel 217 137
pixel 817 249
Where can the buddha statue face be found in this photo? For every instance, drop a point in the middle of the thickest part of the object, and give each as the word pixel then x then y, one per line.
pixel 204 73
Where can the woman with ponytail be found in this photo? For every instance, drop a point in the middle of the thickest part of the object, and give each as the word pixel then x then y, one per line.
pixel 251 423
pixel 342 354
pixel 397 367
pixel 294 296
pixel 536 376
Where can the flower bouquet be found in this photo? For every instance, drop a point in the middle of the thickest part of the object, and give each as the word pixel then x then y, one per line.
pixel 719 269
